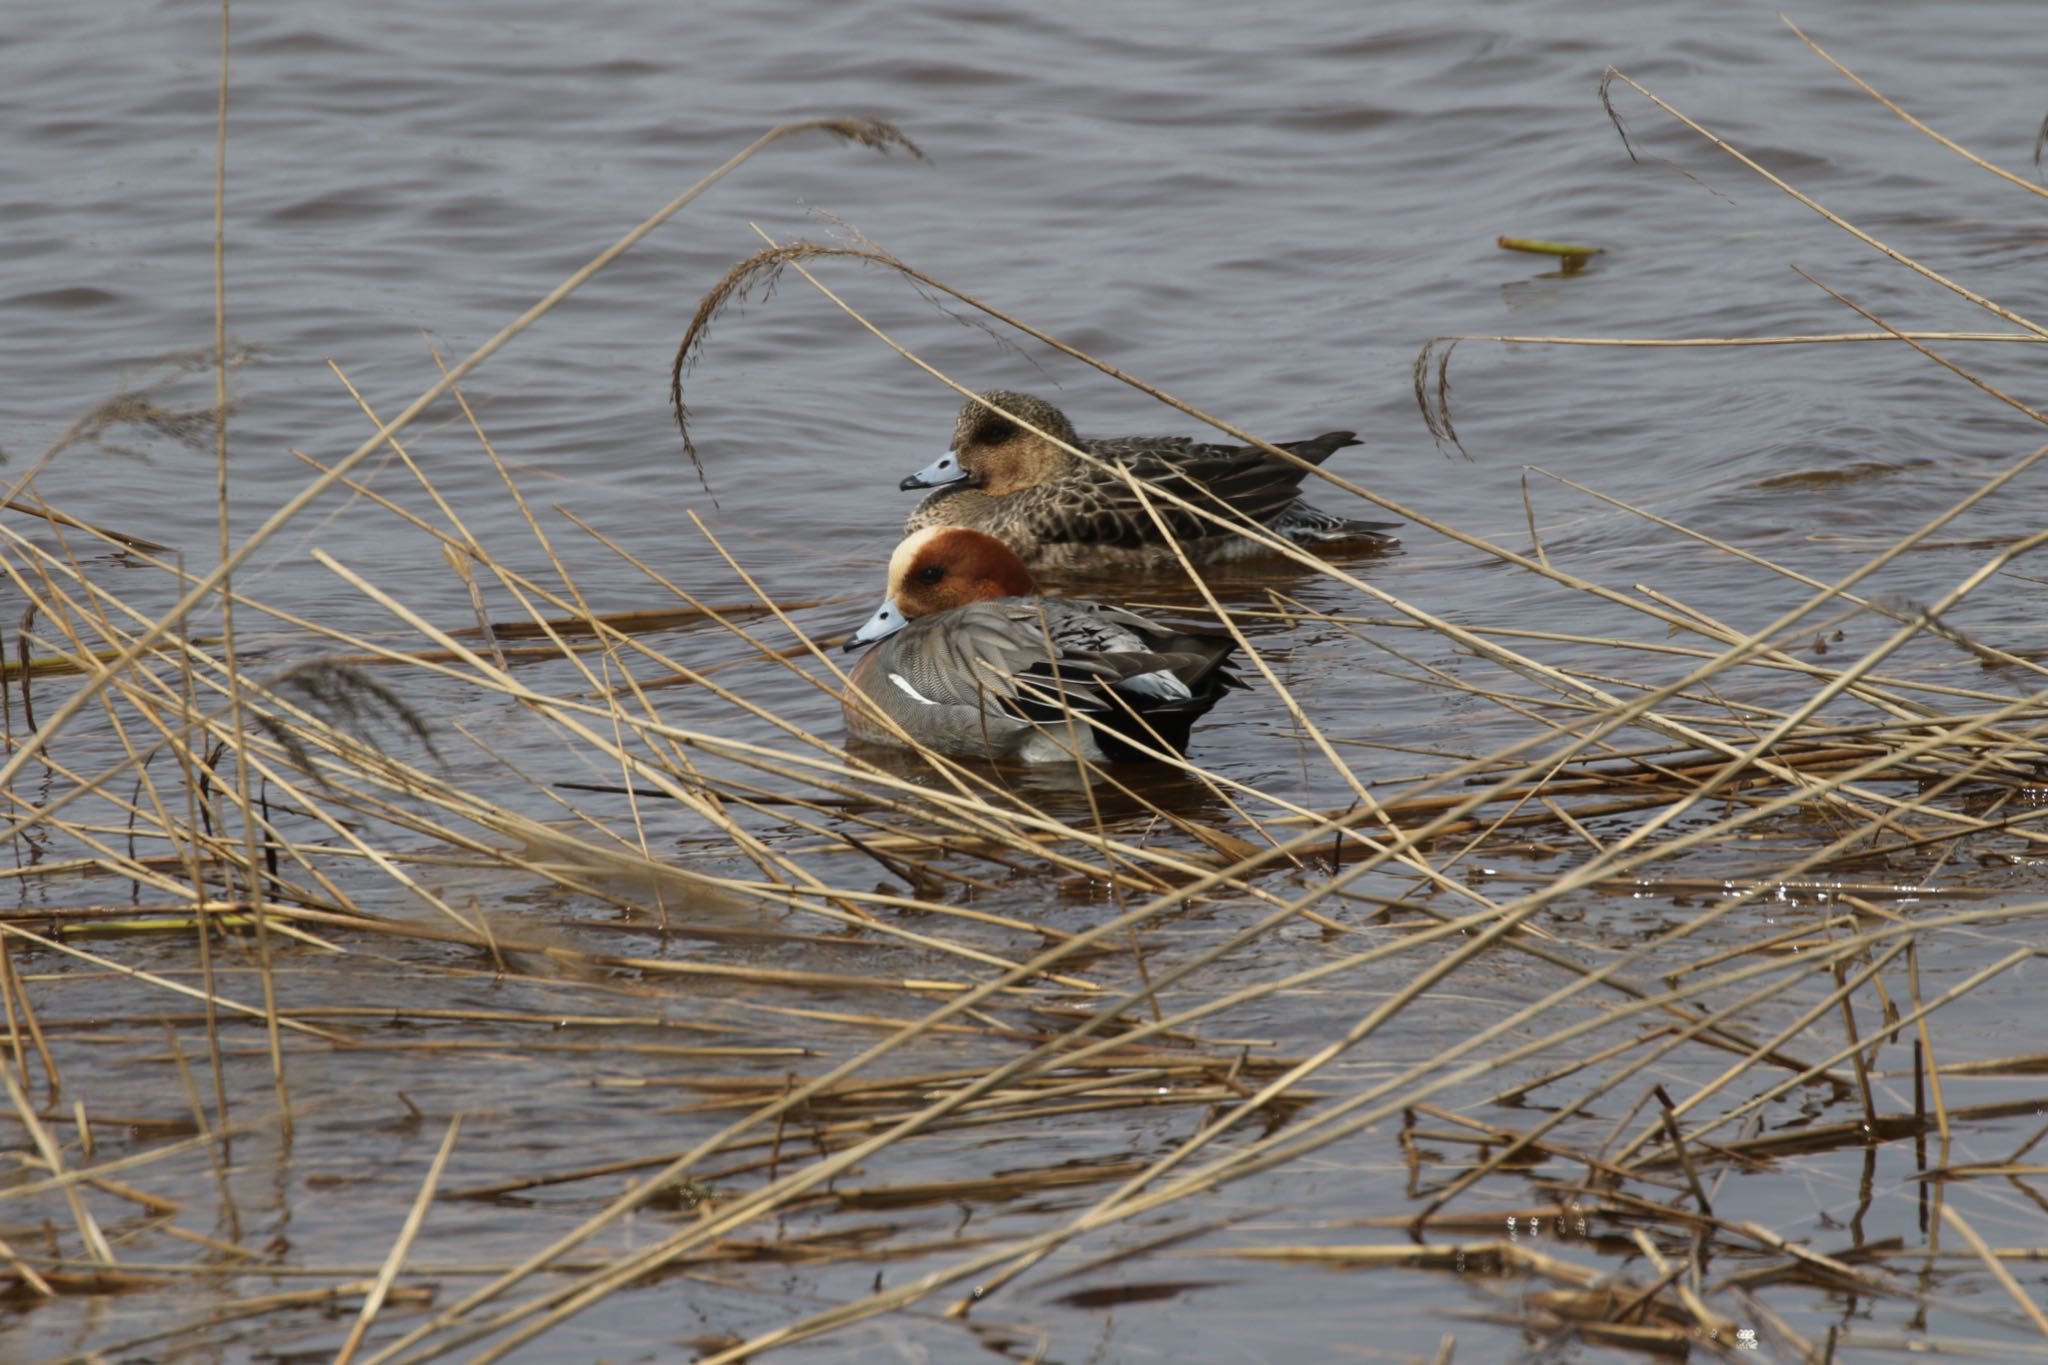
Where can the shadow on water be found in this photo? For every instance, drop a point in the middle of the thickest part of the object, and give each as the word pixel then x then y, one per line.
pixel 1118 797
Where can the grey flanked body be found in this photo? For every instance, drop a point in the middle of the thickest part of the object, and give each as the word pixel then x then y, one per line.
pixel 1023 489
pixel 965 657
pixel 1015 678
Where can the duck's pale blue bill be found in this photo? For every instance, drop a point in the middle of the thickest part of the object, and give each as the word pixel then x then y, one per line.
pixel 944 470
pixel 887 620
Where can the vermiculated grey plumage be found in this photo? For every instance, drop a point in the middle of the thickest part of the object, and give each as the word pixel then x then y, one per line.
pixel 1007 676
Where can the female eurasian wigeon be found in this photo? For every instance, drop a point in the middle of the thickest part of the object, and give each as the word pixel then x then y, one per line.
pixel 1052 508
pixel 968 659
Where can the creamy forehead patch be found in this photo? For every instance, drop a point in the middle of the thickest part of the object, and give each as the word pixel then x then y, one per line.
pixel 906 555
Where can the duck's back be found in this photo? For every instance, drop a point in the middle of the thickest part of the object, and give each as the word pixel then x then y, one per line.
pixel 1010 677
pixel 1087 507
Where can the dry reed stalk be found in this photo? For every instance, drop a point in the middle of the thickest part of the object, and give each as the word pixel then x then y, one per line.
pixel 237 722
pixel 1997 1269
pixel 1982 386
pixel 1872 91
pixel 395 1261
pixel 194 873
pixel 1925 272
pixel 56 518
pixel 100 1172
pixel 1926 1042
pixel 25 1272
pixel 89 1233
pixel 214 1150
pixel 162 982
pixel 20 1010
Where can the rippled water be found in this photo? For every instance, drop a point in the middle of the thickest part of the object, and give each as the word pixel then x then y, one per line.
pixel 1266 210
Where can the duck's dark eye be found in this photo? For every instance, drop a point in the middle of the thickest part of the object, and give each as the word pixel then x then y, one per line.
pixel 995 430
pixel 930 574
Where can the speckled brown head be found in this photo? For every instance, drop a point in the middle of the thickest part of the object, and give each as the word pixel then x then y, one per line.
pixel 940 568
pixel 994 454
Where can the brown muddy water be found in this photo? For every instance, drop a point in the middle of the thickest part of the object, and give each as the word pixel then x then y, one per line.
pixel 1265 210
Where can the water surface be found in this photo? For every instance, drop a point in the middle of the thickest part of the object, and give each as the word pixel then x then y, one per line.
pixel 1265 210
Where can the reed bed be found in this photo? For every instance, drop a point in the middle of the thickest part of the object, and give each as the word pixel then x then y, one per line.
pixel 963 1046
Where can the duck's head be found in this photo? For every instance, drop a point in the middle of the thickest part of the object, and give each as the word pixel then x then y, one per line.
pixel 942 567
pixel 993 453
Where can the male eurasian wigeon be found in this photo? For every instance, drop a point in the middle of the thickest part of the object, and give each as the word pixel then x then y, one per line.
pixel 1052 508
pixel 968 659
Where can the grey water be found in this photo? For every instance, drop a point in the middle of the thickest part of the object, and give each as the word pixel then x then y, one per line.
pixel 1266 210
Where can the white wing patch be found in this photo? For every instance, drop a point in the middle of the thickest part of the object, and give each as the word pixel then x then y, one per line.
pixel 903 684
pixel 1159 683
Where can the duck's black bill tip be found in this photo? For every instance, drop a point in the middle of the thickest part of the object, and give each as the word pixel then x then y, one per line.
pixel 851 645
pixel 910 482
